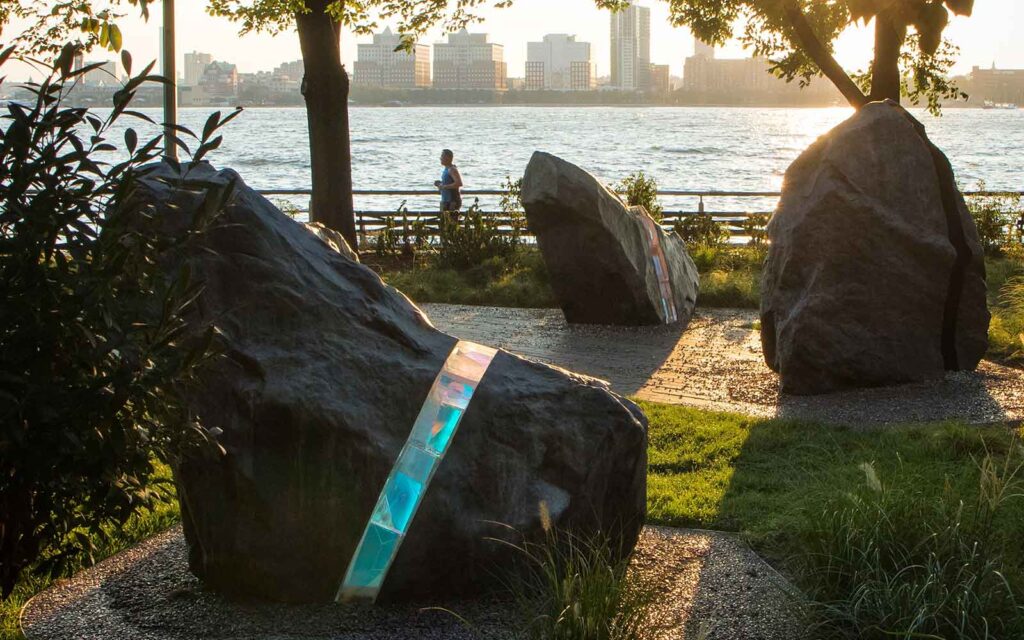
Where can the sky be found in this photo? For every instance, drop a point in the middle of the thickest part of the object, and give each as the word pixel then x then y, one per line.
pixel 992 34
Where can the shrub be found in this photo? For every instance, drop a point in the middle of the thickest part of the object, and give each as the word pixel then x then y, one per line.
pixel 579 588
pixel 470 241
pixel 385 241
pixel 511 205
pixel 998 219
pixel 702 230
pixel 641 190
pixel 884 564
pixel 93 344
pixel 755 227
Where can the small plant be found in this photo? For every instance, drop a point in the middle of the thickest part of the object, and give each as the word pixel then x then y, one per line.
pixel 998 219
pixel 386 240
pixel 641 190
pixel 511 205
pixel 702 230
pixel 577 587
pixel 883 564
pixel 755 227
pixel 472 240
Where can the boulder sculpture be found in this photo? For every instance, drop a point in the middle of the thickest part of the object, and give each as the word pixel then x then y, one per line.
pixel 875 275
pixel 325 370
pixel 609 263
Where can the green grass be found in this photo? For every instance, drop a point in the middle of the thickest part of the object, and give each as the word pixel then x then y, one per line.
pixel 1007 326
pixel 787 487
pixel 137 529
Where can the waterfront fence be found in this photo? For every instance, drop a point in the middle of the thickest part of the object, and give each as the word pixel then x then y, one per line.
pixel 741 213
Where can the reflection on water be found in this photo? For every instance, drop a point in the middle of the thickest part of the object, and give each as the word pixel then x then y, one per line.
pixel 683 148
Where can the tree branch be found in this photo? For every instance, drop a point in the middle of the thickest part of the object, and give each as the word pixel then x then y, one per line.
pixel 809 42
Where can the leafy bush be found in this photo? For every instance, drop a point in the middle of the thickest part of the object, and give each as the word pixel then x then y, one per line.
pixel 641 190
pixel 580 588
pixel 93 345
pixel 755 227
pixel 997 218
pixel 385 241
pixel 702 230
pixel 470 241
pixel 884 564
pixel 511 205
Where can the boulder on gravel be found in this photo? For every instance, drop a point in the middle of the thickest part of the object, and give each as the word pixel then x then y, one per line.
pixel 325 370
pixel 609 263
pixel 875 275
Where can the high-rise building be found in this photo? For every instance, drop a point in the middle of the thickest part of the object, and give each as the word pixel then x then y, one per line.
pixel 195 65
pixel 383 64
pixel 631 47
pixel 550 64
pixel 660 78
pixel 469 61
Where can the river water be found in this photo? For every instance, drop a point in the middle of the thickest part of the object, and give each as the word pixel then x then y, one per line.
pixel 693 148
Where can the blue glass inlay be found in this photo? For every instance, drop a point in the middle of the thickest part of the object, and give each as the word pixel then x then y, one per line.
pixel 431 434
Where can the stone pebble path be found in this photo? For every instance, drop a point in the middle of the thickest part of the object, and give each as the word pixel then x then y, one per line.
pixel 716 363
pixel 705 585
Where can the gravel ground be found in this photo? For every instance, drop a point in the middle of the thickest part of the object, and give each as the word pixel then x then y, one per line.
pixel 716 363
pixel 707 583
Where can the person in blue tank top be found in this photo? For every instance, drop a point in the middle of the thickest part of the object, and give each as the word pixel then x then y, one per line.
pixel 450 184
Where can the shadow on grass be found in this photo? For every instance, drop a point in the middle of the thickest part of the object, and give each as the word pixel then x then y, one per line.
pixel 775 481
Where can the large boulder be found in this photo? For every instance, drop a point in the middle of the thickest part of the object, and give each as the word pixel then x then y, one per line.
pixel 598 250
pixel 875 275
pixel 325 370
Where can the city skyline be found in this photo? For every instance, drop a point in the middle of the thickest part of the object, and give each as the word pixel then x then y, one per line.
pixel 988 36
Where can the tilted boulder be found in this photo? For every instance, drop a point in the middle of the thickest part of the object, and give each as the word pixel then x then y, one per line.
pixel 599 251
pixel 875 275
pixel 324 371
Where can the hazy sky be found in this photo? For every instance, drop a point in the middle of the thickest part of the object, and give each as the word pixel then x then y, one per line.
pixel 993 33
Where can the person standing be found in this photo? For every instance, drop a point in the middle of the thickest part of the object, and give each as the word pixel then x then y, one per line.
pixel 450 185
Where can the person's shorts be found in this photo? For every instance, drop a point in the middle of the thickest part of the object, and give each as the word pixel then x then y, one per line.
pixel 451 206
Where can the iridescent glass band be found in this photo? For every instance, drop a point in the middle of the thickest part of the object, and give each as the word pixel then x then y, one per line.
pixel 431 435
pixel 668 304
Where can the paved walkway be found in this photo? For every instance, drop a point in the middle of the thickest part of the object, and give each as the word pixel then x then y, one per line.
pixel 700 581
pixel 716 363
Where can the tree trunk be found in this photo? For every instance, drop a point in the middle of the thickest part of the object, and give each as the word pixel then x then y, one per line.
pixel 885 68
pixel 325 88
pixel 810 43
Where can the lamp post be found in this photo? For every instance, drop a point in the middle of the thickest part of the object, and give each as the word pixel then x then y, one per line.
pixel 171 88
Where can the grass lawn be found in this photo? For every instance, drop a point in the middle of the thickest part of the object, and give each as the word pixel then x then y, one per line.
pixel 772 481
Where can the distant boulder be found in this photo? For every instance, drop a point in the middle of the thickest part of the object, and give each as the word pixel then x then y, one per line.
pixel 875 275
pixel 599 251
pixel 325 370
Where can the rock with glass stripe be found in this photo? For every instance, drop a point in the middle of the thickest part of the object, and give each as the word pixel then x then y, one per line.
pixel 609 263
pixel 325 373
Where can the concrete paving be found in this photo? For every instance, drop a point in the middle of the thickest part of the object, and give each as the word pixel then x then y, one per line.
pixel 716 363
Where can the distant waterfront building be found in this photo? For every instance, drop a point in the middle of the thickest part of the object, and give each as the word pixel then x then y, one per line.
pixel 220 80
pixel 104 75
pixel 630 32
pixel 1001 86
pixel 293 70
pixel 380 65
pixel 559 63
pixel 195 65
pixel 469 61
pixel 660 78
pixel 745 80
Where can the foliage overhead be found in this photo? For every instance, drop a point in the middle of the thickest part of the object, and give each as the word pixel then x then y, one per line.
pixel 775 29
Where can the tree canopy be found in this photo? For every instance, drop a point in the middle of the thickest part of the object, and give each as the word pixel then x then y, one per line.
pixel 911 55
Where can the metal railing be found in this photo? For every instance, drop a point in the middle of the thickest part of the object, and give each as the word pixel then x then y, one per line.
pixel 736 219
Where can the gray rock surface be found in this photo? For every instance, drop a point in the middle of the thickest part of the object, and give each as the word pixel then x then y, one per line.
pixel 875 275
pixel 326 368
pixel 597 251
